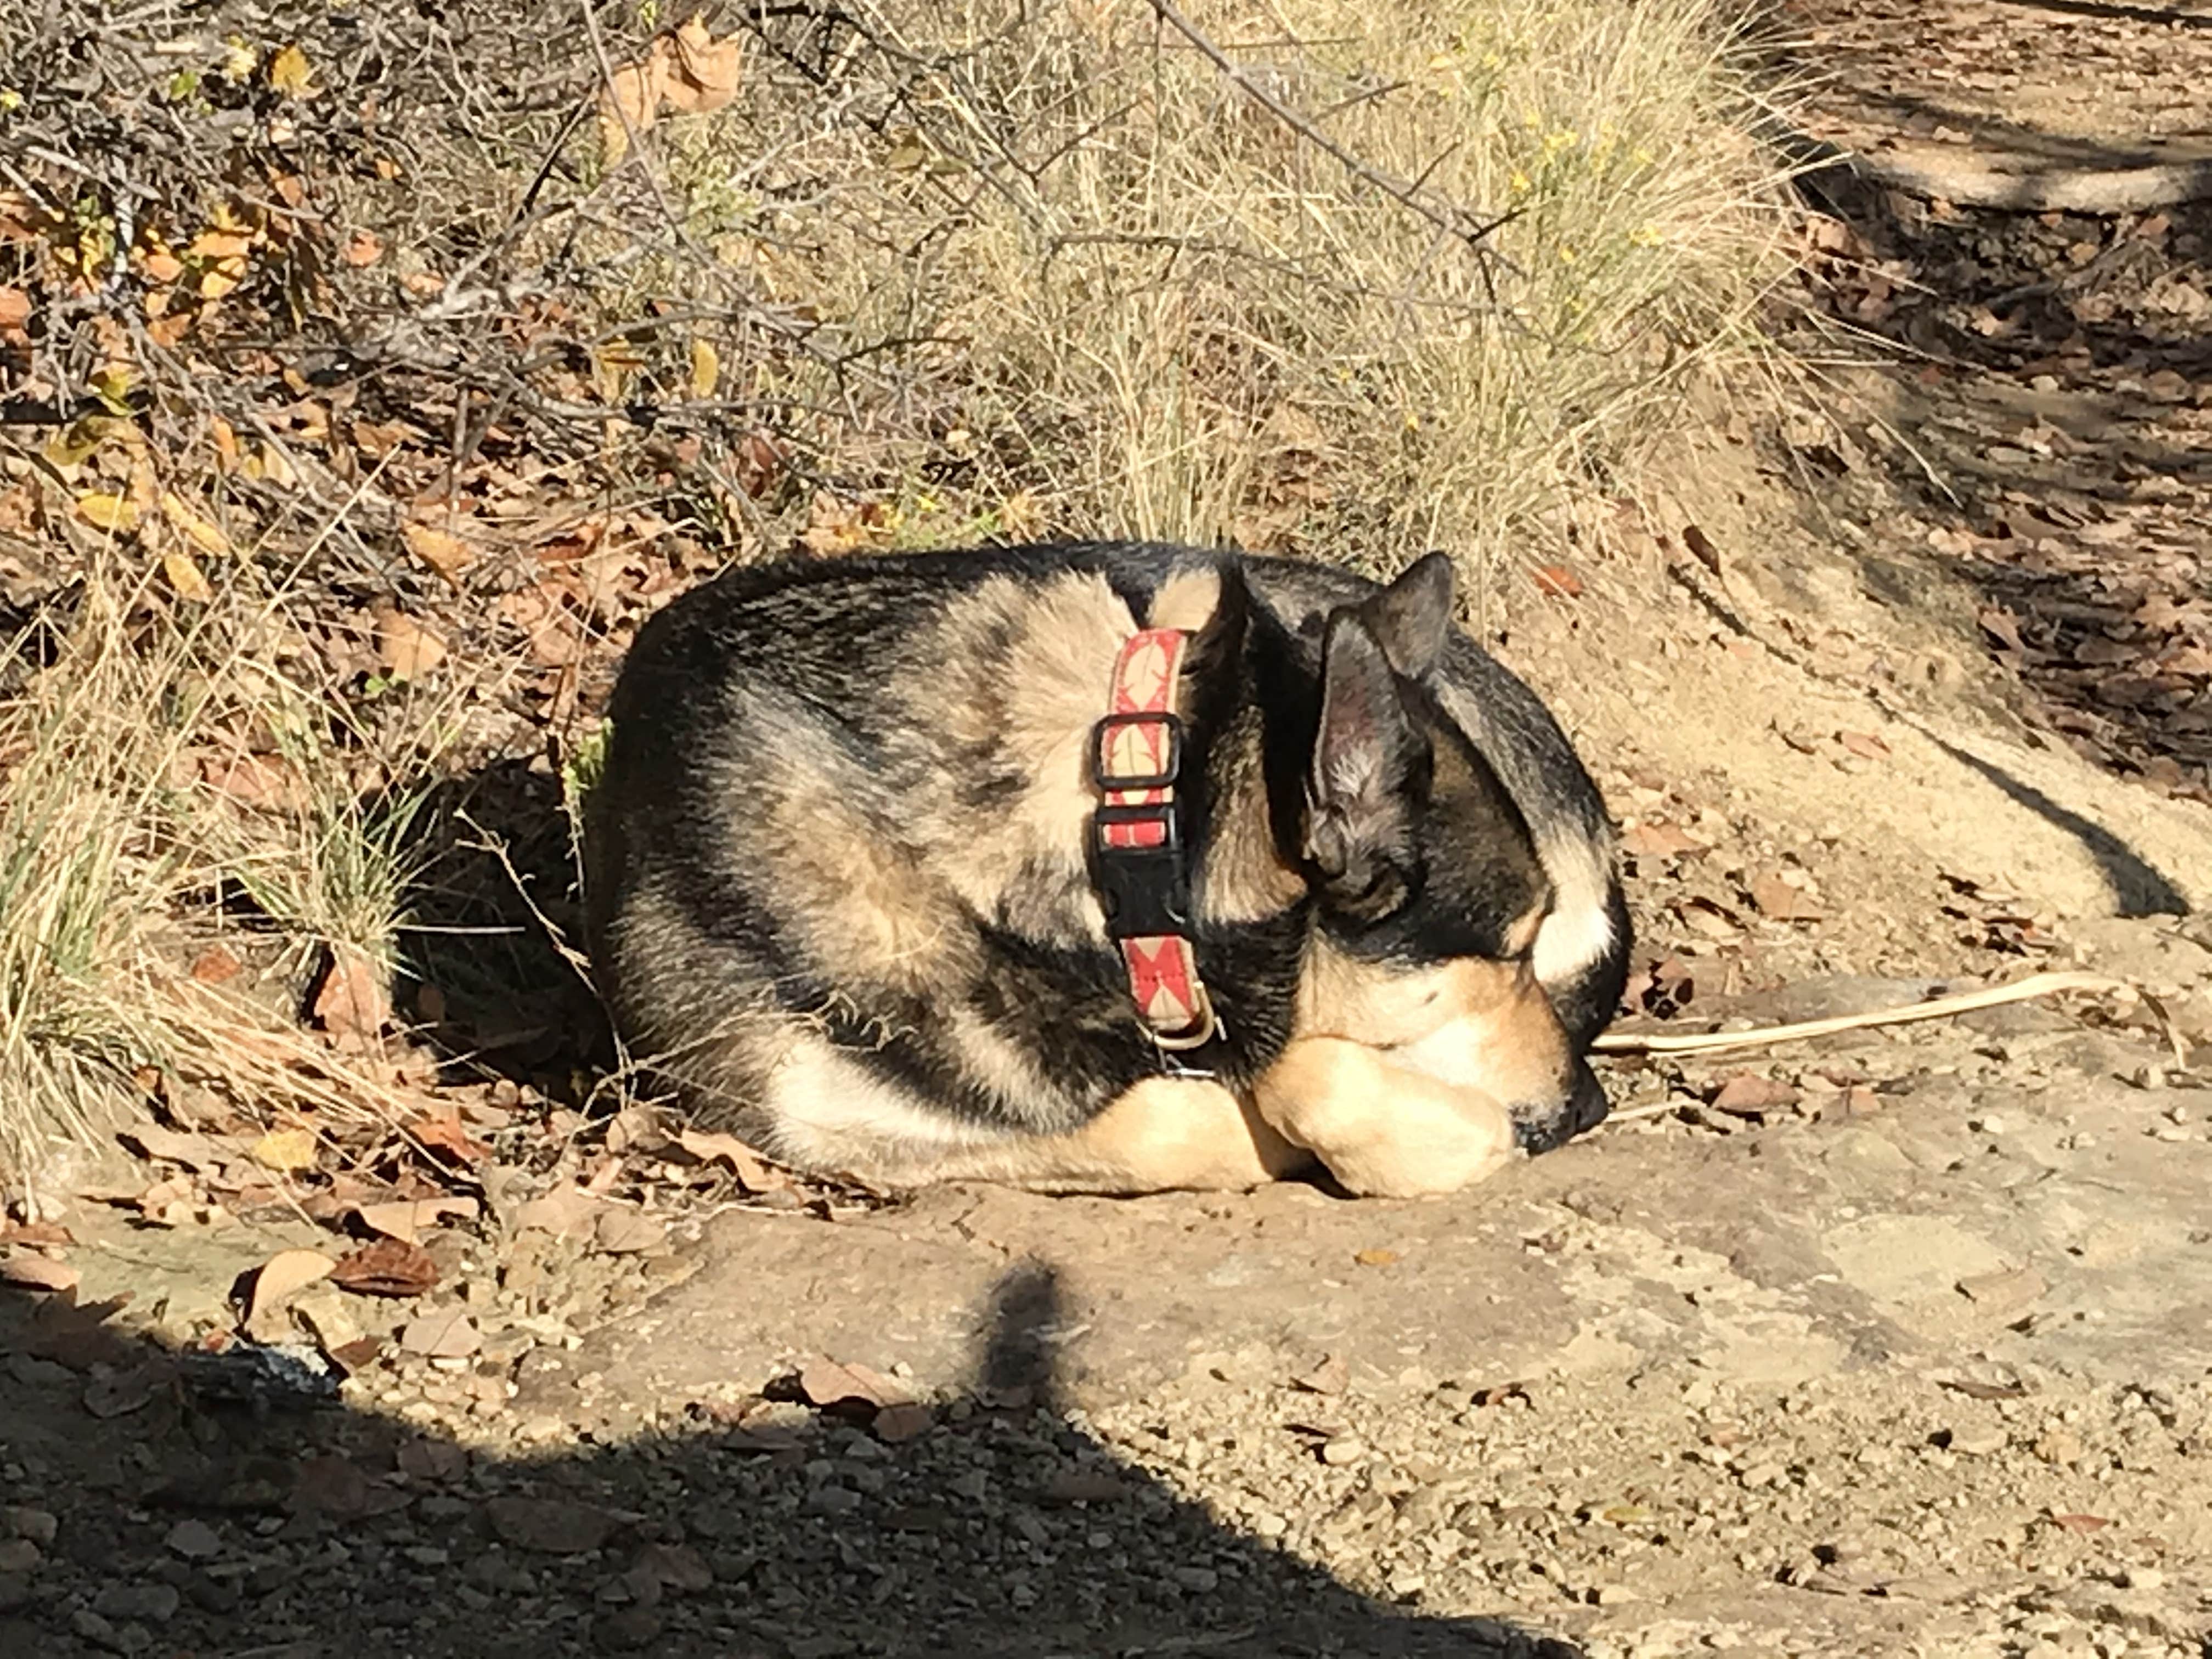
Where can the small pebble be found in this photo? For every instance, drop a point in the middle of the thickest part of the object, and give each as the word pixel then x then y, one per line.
pixel 1336 1453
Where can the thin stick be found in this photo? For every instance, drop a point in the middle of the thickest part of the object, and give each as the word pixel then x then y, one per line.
pixel 1991 996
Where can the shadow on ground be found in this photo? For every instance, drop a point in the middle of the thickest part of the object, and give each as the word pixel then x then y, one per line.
pixel 188 1519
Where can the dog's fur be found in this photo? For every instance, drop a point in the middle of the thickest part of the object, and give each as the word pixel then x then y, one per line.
pixel 839 895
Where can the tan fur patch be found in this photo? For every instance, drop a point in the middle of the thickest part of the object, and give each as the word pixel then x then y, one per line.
pixel 1383 1131
pixel 1187 600
pixel 1468 1023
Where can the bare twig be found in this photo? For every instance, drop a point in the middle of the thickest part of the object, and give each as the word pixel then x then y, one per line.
pixel 1766 1036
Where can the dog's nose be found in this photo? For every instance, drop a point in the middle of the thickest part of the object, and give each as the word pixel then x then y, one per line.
pixel 1584 1107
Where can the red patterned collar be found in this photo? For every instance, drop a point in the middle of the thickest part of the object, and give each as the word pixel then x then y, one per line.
pixel 1139 860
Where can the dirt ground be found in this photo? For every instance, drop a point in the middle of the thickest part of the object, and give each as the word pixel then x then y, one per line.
pixel 1894 1343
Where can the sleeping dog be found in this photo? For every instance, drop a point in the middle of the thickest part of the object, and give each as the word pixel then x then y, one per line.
pixel 1106 867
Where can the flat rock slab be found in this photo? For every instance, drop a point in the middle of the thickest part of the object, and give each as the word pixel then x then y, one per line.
pixel 2064 1233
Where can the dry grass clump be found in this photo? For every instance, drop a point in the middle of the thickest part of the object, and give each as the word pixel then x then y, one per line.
pixel 1108 291
pixel 171 789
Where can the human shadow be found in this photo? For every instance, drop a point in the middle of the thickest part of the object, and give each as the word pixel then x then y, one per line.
pixel 177 1503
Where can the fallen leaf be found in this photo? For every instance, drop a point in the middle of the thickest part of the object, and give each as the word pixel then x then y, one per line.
pixel 216 965
pixel 631 101
pixel 1375 1257
pixel 1783 902
pixel 119 1394
pixel 105 510
pixel 901 1422
pixel 280 1278
pixel 752 1173
pixel 185 578
pixel 2080 1523
pixel 443 1133
pixel 825 1382
pixel 445 1334
pixel 564 1211
pixel 193 1151
pixel 14 307
pixel 287 1150
pixel 1747 1094
pixel 351 1003
pixel 289 72
pixel 26 1272
pixel 204 533
pixel 407 648
pixel 447 554
pixel 1865 744
pixel 552 1526
pixel 626 1232
pixel 387 1267
pixel 404 1219
pixel 1331 1376
pixel 706 368
pixel 363 247
pixel 707 70
pixel 1659 841
pixel 38 1233
pixel 1558 582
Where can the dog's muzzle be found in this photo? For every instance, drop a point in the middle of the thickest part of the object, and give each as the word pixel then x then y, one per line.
pixel 1585 1108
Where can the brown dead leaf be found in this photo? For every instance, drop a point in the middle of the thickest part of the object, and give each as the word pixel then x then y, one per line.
pixel 2082 1524
pixel 14 308
pixel 203 532
pixel 627 1232
pixel 1864 744
pixel 406 1219
pixel 351 1003
pixel 1558 582
pixel 407 649
pixel 1784 902
pixel 120 1393
pixel 387 1267
pixel 363 247
pixel 216 965
pixel 193 1151
pixel 707 70
pixel 1701 547
pixel 1659 841
pixel 40 1233
pixel 444 552
pixel 442 1334
pixel 754 1175
pixel 268 781
pixel 631 101
pixel 825 1383
pixel 896 1425
pixel 1746 1094
pixel 443 1132
pixel 283 1276
pixel 23 1271
pixel 1330 1375
pixel 564 1212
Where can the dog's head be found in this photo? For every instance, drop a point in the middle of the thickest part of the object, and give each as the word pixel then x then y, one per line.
pixel 1427 882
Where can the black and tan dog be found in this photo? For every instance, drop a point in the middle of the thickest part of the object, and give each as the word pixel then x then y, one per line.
pixel 1104 867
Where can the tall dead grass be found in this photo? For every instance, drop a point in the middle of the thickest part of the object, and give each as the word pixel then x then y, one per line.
pixel 1120 296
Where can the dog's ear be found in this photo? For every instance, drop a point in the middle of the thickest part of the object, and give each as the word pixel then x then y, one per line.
pixel 1412 615
pixel 1368 764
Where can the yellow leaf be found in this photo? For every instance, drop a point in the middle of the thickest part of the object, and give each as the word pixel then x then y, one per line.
pixel 238 59
pixel 706 368
pixel 206 535
pixel 104 510
pixel 289 72
pixel 213 245
pixel 215 283
pixel 286 1149
pixel 184 578
pixel 447 554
